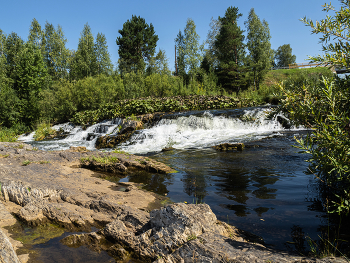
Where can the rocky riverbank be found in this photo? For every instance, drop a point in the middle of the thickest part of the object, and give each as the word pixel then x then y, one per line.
pixel 40 187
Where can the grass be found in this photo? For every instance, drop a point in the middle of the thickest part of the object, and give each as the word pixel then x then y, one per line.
pixel 26 162
pixel 43 130
pixel 101 160
pixel 191 237
pixel 4 155
pixel 8 135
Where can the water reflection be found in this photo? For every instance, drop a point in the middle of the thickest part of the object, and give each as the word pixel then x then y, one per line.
pixel 262 189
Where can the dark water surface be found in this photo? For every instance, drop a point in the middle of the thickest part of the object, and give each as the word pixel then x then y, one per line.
pixel 262 189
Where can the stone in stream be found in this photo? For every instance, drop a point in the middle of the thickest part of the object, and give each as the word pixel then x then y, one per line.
pixel 229 147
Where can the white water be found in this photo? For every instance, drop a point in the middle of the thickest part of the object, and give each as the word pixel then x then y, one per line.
pixel 181 133
pixel 204 131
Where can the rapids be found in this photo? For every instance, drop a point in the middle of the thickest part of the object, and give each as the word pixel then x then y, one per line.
pixel 263 189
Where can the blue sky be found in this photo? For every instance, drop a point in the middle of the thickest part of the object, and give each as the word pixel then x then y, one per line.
pixel 167 17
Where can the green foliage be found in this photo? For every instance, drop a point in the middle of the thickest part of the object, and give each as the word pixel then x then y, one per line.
pixel 101 159
pixel 284 57
pixel 10 106
pixel 159 64
pixel 43 130
pixel 137 44
pixel 26 162
pixel 56 55
pixel 13 47
pixel 36 35
pixel 31 74
pixel 192 49
pixel 230 51
pixel 104 64
pixel 258 43
pixel 210 60
pixel 151 105
pixel 8 135
pixel 84 61
pixel 335 35
pixel 325 107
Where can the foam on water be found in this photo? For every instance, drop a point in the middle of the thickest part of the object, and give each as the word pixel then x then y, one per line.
pixel 204 131
pixel 181 133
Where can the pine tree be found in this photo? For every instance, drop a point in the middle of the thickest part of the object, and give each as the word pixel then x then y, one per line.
pixel 258 43
pixel 137 44
pixel 104 64
pixel 230 51
pixel 84 61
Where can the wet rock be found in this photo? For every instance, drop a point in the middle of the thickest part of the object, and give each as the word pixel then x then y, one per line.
pixel 167 149
pixel 284 122
pixel 229 147
pixel 7 253
pixel 127 129
pixel 108 141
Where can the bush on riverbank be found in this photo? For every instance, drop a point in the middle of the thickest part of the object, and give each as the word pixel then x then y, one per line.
pixel 150 105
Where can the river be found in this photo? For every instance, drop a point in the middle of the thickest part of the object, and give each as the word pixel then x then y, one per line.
pixel 263 189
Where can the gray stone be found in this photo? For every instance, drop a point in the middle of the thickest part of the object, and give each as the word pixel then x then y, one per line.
pixel 7 253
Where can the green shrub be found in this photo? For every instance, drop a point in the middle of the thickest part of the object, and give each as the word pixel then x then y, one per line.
pixel 44 130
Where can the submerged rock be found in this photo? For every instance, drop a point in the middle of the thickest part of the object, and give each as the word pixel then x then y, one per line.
pixel 229 147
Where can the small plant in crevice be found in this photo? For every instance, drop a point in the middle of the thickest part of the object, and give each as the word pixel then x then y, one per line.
pixel 191 237
pixel 26 162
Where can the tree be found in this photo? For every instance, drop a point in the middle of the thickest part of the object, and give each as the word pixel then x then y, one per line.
pixel 2 58
pixel 258 43
pixel 137 44
pixel 31 75
pixel 284 57
pixel 193 50
pixel 13 47
pixel 159 64
pixel 36 35
pixel 104 64
pixel 210 59
pixel 84 62
pixel 189 49
pixel 180 54
pixel 335 28
pixel 56 54
pixel 230 51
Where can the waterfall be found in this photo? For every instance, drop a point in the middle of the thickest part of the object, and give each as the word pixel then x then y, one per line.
pixel 204 131
pixel 184 132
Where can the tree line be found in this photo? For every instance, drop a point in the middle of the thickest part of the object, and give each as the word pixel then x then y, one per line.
pixel 42 79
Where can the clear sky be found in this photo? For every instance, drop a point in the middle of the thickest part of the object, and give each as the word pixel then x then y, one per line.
pixel 167 17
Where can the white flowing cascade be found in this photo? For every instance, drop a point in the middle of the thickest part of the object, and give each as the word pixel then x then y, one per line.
pixel 181 133
pixel 204 131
